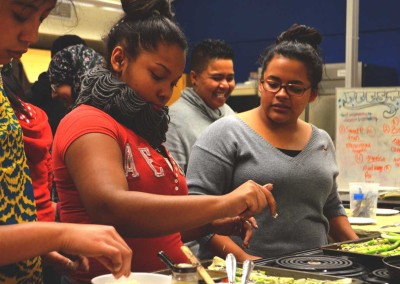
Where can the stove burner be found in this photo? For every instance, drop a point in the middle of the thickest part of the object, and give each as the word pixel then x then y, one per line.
pixel 379 276
pixel 314 262
pixel 327 265
pixel 381 273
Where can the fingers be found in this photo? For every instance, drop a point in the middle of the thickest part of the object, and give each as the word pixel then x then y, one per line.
pixel 76 263
pixel 262 198
pixel 116 256
pixel 247 233
pixel 269 186
pixel 101 242
pixel 64 263
pixel 253 223
pixel 126 257
pixel 83 263
pixel 270 199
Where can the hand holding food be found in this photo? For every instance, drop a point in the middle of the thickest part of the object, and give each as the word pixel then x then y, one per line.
pixel 100 242
pixel 251 198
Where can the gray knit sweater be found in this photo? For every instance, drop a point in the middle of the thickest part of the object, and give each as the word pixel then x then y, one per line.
pixel 229 153
pixel 190 116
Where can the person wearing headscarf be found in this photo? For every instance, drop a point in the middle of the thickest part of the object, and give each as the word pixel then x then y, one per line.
pixel 67 68
pixel 39 94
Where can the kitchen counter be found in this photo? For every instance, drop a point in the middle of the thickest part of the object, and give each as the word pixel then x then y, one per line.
pixel 382 203
pixel 373 229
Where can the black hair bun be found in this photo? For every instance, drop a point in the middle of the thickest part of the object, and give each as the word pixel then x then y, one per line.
pixel 139 9
pixel 301 33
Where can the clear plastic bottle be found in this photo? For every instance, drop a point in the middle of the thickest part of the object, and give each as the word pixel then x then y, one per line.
pixel 184 273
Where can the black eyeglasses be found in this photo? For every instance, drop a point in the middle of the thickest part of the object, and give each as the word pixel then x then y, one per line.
pixel 291 89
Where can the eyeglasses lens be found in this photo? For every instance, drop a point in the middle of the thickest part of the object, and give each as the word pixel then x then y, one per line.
pixel 291 89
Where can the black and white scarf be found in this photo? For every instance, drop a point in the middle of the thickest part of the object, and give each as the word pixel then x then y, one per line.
pixel 103 90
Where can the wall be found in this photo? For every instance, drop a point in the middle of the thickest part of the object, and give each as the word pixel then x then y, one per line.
pixel 251 25
pixel 37 60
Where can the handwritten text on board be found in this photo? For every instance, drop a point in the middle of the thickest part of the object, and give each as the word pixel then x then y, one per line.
pixel 368 135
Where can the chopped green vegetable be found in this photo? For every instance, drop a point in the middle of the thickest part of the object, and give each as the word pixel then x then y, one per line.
pixel 260 277
pixel 379 246
pixel 391 236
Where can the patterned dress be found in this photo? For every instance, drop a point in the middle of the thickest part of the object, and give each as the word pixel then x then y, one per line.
pixel 17 203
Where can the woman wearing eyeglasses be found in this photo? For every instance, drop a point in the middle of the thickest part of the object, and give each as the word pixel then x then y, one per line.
pixel 271 144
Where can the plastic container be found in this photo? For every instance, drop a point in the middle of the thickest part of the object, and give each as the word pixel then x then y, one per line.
pixel 363 199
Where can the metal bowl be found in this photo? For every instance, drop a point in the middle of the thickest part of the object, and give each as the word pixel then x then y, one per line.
pixel 392 264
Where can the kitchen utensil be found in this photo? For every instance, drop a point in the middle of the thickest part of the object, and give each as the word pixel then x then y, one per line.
pixel 200 269
pixel 390 226
pixel 166 259
pixel 217 276
pixel 231 267
pixel 392 264
pixel 248 266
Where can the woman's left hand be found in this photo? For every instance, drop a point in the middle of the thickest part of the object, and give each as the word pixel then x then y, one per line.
pixel 65 264
pixel 236 226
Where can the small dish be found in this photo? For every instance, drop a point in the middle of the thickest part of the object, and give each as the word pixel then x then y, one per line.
pixel 361 221
pixel 384 211
pixel 142 278
pixel 388 188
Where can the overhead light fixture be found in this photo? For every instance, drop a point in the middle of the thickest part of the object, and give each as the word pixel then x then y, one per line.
pixel 83 4
pixel 101 3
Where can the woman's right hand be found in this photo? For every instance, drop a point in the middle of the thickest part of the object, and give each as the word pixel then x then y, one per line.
pixel 251 198
pixel 100 242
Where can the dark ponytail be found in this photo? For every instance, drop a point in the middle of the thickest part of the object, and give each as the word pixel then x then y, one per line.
pixel 299 42
pixel 14 92
pixel 140 9
pixel 146 23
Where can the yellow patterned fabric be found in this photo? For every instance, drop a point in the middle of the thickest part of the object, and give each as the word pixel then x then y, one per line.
pixel 17 204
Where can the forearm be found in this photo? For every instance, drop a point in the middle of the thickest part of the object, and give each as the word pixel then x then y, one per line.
pixel 24 241
pixel 341 230
pixel 222 245
pixel 196 233
pixel 155 215
pixel 108 198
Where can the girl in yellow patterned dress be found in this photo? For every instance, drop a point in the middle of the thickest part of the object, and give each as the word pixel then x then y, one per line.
pixel 20 21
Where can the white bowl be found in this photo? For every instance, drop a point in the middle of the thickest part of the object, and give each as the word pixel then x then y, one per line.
pixel 141 278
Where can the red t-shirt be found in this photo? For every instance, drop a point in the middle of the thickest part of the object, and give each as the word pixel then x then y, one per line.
pixel 146 171
pixel 37 144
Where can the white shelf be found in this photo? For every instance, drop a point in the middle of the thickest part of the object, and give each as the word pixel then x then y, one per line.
pixel 244 92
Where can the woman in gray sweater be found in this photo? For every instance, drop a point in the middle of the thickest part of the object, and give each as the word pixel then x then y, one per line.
pixel 270 144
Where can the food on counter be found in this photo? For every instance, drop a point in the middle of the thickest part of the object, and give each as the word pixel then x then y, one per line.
pixel 391 236
pixel 387 245
pixel 260 277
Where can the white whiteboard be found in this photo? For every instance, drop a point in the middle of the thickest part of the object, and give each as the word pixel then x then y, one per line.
pixel 368 135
